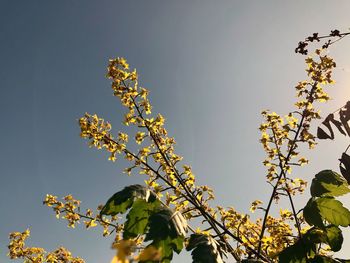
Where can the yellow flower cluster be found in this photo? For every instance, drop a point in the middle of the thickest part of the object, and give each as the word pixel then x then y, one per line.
pixel 70 210
pixel 18 250
pixel 255 205
pixel 98 132
pixel 279 230
pixel 280 136
pixel 320 70
pixel 156 157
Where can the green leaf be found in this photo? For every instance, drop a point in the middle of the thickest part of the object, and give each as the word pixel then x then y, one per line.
pixel 205 249
pixel 333 211
pixel 167 246
pixel 121 201
pixel 138 217
pixel 161 225
pixel 331 235
pixel 178 244
pixel 164 222
pixel 334 237
pixel 329 183
pixel 315 235
pixel 312 213
pixel 297 253
pixel 163 230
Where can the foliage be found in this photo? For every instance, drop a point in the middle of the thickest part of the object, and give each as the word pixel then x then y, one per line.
pixel 149 223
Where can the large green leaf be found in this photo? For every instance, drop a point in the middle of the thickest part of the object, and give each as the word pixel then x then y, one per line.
pixel 334 237
pixel 297 253
pixel 164 222
pixel 138 218
pixel 328 183
pixel 205 249
pixel 326 208
pixel 161 225
pixel 164 227
pixel 123 200
pixel 331 235
pixel 312 213
pixel 333 211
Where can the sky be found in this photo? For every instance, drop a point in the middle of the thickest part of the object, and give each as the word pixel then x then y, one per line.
pixel 210 66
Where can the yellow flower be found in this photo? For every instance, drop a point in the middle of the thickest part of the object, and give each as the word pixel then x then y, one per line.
pixel 124 249
pixel 139 137
pixel 255 205
pixel 150 253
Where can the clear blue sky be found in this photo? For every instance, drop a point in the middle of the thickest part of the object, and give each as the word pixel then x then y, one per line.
pixel 211 67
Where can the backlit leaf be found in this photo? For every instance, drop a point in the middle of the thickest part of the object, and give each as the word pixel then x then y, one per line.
pixel 123 200
pixel 328 183
pixel 333 211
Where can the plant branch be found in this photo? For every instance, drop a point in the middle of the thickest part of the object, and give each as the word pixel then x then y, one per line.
pixel 286 190
pixel 310 99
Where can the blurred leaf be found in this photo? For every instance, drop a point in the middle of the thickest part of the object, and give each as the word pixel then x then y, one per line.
pixel 167 246
pixel 344 116
pixel 345 166
pixel 328 183
pixel 150 254
pixel 341 124
pixel 321 134
pixel 123 200
pixel 327 123
pixel 336 123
